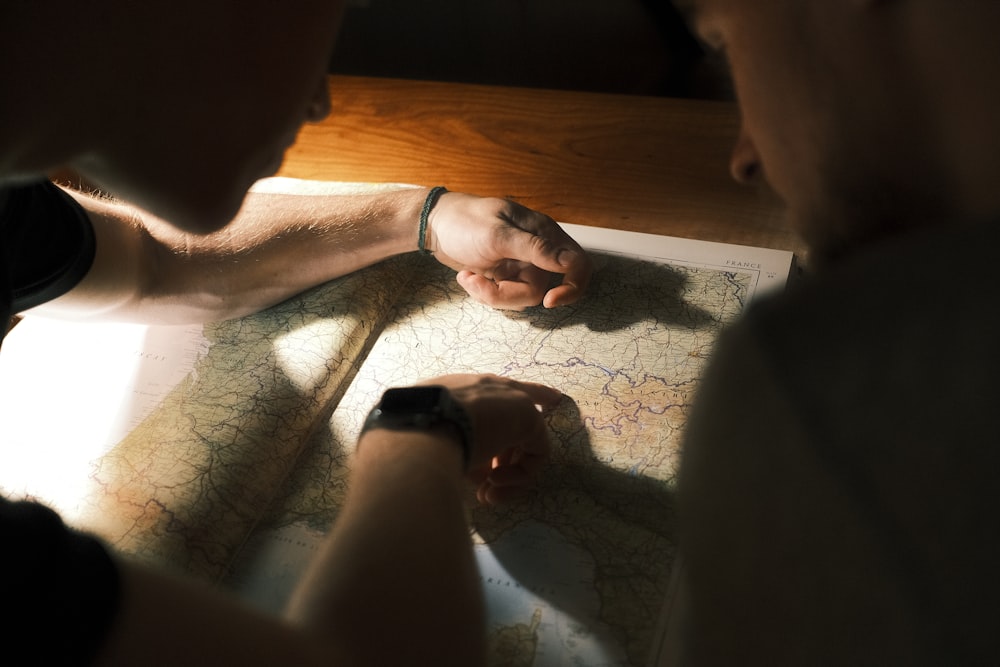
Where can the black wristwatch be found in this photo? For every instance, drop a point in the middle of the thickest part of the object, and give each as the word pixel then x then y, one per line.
pixel 419 408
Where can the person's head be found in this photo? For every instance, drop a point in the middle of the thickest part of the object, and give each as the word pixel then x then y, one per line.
pixel 175 106
pixel 867 117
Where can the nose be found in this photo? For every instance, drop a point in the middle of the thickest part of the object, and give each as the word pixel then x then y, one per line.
pixel 319 107
pixel 744 164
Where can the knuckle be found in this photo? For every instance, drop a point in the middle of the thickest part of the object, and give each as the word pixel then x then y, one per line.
pixel 541 245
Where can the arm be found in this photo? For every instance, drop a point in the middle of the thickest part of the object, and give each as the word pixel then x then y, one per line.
pixel 281 244
pixel 396 581
pixel 508 264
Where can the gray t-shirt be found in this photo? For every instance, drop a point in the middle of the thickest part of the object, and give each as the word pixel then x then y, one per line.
pixel 838 493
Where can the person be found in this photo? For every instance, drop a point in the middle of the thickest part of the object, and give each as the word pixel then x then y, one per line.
pixel 837 497
pixel 175 110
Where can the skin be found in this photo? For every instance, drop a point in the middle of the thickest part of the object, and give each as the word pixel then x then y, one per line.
pixel 401 537
pixel 870 118
pixel 174 136
pixel 149 270
pixel 177 141
pixel 832 129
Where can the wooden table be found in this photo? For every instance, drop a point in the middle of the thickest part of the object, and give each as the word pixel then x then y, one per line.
pixel 645 164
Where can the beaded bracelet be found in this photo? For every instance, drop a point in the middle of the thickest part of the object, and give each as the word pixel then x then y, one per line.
pixel 432 198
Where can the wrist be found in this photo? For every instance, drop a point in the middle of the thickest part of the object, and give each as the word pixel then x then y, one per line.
pixel 436 448
pixel 425 239
pixel 423 408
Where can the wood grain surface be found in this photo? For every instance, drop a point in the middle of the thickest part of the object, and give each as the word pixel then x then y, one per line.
pixel 647 164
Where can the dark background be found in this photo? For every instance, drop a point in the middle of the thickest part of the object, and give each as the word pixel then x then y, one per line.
pixel 618 46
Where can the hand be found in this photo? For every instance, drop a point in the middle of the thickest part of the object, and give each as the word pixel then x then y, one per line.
pixel 510 442
pixel 505 253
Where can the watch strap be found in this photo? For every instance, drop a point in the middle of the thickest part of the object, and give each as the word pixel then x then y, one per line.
pixel 421 408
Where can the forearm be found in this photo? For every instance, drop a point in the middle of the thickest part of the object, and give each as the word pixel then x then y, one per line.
pixel 164 620
pixel 398 571
pixel 395 582
pixel 279 245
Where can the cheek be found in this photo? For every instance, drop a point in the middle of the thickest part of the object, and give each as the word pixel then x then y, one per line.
pixel 780 122
pixel 763 141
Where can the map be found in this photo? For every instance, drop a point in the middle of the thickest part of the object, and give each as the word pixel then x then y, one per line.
pixel 228 456
pixel 577 574
pixel 177 437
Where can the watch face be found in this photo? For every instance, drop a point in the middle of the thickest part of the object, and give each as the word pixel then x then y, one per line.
pixel 412 399
pixel 409 408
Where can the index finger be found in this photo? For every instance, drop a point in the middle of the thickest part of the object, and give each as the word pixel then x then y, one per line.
pixel 576 270
pixel 541 395
pixel 540 240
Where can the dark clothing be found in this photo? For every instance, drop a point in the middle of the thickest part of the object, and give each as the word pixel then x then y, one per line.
pixel 58 589
pixel 48 246
pixel 838 494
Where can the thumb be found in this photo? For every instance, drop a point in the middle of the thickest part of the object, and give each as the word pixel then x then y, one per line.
pixel 551 249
